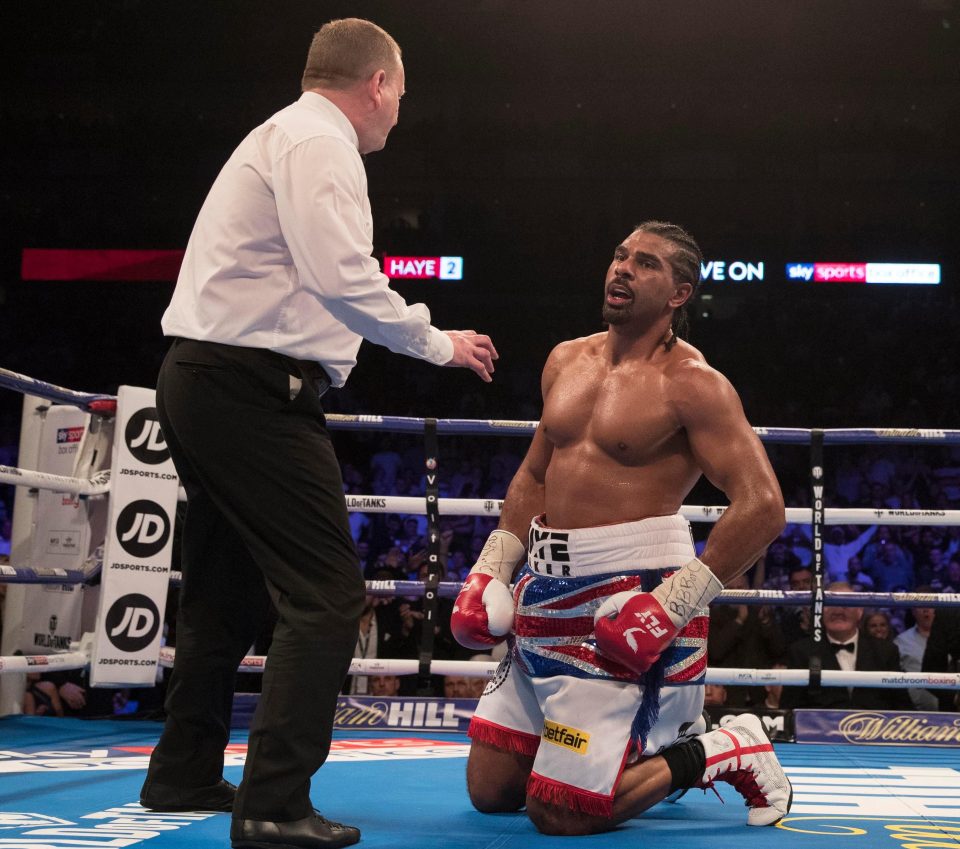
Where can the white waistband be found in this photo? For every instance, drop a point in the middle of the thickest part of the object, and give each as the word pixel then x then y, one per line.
pixel 660 542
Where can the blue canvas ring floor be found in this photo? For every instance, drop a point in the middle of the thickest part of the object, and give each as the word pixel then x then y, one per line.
pixel 73 783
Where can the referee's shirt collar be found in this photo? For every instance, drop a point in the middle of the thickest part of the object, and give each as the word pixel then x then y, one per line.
pixel 314 100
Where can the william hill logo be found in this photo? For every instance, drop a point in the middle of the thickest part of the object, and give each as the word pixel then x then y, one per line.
pixel 569 738
pixel 898 729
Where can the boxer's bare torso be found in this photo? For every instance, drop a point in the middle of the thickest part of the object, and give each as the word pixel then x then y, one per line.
pixel 618 447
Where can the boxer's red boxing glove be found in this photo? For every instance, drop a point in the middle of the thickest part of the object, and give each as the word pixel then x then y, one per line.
pixel 483 612
pixel 634 628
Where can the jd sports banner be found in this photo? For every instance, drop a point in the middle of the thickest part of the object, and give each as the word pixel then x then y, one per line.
pixel 136 562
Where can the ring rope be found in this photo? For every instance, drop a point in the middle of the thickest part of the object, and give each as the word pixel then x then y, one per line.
pixel 757 598
pixel 450 589
pixel 40 662
pixel 99 485
pixel 478 669
pixel 718 675
pixel 103 404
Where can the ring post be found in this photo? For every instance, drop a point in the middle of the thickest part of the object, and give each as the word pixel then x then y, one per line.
pixel 136 560
pixel 816 525
pixel 430 606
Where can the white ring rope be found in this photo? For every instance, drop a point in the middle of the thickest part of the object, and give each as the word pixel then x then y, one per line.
pixel 99 484
pixel 479 669
pixel 691 512
pixel 44 662
pixel 718 675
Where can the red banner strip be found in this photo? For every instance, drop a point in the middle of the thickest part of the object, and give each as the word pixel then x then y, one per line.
pixel 125 265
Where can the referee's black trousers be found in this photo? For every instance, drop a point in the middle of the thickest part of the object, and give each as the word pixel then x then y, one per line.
pixel 266 520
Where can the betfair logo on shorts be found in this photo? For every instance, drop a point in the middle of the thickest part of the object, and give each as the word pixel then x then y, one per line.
pixel 568 738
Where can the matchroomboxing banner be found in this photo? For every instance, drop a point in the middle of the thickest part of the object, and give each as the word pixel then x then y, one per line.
pixel 139 541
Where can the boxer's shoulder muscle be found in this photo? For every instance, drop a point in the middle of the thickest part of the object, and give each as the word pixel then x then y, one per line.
pixel 694 388
pixel 570 358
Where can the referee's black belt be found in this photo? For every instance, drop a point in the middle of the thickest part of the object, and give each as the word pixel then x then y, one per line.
pixel 309 371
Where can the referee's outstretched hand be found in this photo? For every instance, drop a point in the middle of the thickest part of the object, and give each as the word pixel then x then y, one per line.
pixel 474 351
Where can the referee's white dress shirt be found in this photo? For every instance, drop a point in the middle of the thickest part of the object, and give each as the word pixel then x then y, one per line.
pixel 280 255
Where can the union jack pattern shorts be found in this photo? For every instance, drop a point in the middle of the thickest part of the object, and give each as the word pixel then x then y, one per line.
pixel 555 697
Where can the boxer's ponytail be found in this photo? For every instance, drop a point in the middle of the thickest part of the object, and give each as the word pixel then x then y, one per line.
pixel 685 262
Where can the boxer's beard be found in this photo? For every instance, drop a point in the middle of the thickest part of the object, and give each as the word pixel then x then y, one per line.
pixel 617 315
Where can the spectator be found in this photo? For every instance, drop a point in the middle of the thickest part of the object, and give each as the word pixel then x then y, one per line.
pixel 457 565
pixel 881 497
pixel 714 695
pixel 360 523
pixel 856 577
pixel 880 468
pixel 943 652
pixel 40 698
pixel 461 687
pixel 744 637
pixel 780 562
pixel 384 529
pixel 774 693
pixel 837 551
pixel 468 472
pixel 951 576
pixel 384 685
pixel 890 566
pixel 385 632
pixel 912 644
pixel 848 480
pixel 845 649
pixel 799 537
pixel 952 542
pixel 384 467
pixel 795 621
pixel 930 565
pixel 364 560
pixel 466 687
pixel 877 624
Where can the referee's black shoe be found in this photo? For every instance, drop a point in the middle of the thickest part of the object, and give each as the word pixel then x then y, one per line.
pixel 311 832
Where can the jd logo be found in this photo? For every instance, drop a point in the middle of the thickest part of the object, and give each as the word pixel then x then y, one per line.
pixel 143 528
pixel 144 437
pixel 132 622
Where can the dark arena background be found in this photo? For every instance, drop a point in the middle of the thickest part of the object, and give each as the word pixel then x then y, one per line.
pixel 811 146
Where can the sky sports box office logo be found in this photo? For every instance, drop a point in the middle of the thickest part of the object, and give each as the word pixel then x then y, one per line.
pixel 903 273
pixel 67 435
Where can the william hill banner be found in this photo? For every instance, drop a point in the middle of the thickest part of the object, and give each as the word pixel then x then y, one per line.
pixel 877 728
pixel 356 713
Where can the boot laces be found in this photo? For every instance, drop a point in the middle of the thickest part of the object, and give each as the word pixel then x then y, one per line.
pixel 745 783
